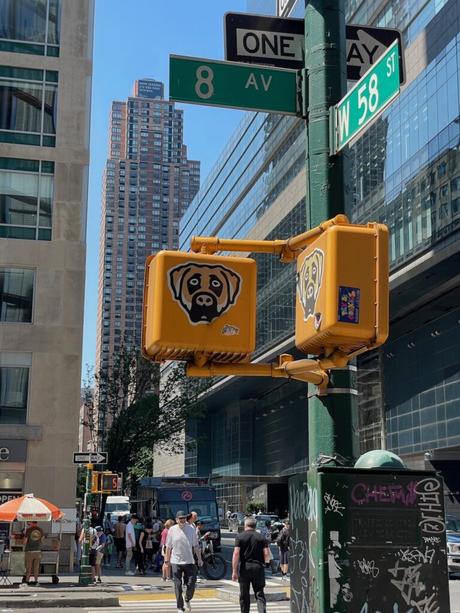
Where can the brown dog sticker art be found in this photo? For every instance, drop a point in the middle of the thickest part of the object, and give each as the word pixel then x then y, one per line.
pixel 204 291
pixel 309 280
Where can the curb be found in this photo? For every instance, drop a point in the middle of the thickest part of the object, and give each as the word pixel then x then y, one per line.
pixel 61 603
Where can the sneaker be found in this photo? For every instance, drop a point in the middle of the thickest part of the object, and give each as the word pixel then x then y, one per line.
pixel 130 572
pixel 188 607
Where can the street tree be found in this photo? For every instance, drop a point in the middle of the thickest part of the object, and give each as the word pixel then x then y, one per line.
pixel 141 408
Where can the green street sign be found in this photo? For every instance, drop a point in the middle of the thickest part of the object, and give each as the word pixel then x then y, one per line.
pixel 231 84
pixel 371 94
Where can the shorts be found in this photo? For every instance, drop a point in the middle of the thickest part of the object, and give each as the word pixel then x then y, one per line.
pixel 284 556
pixel 92 557
pixel 119 544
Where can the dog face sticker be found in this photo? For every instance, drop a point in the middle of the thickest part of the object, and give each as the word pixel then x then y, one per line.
pixel 204 291
pixel 309 280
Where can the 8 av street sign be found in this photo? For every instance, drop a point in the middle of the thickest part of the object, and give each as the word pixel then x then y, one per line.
pixel 240 86
pixel 96 457
pixel 276 41
pixel 366 99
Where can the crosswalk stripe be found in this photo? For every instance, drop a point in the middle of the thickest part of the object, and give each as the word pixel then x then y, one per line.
pixel 199 606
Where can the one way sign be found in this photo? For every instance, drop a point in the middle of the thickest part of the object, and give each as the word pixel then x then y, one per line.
pixel 276 41
pixel 96 457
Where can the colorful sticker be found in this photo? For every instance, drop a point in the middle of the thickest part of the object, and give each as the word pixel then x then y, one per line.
pixel 349 299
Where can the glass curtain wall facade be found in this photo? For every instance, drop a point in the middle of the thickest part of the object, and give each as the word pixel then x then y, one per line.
pixel 405 172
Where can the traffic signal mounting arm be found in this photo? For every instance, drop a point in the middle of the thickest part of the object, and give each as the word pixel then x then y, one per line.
pixel 288 250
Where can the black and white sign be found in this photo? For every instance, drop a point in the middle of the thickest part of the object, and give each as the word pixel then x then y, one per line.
pixel 7 495
pixel 365 44
pixel 258 39
pixel 284 7
pixel 96 457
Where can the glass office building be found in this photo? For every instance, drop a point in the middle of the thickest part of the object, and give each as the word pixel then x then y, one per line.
pixel 405 172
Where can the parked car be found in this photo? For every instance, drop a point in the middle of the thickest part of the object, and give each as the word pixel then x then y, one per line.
pixel 453 552
pixel 236 521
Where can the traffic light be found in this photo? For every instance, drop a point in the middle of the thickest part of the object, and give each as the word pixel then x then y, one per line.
pixel 109 482
pixel 105 483
pixel 342 290
pixel 195 302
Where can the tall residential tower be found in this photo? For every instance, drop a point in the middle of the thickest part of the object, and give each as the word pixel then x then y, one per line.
pixel 148 184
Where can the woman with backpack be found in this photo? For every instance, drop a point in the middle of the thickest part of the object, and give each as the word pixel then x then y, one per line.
pixel 283 541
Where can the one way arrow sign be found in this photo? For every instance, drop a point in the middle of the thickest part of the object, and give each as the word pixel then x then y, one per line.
pixel 276 41
pixel 96 457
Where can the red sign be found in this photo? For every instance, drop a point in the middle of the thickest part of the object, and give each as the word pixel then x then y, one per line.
pixel 187 495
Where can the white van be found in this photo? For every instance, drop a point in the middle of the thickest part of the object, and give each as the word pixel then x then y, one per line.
pixel 116 506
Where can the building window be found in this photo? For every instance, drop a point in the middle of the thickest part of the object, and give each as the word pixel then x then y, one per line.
pixel 26 198
pixel 30 27
pixel 16 294
pixel 14 387
pixel 28 106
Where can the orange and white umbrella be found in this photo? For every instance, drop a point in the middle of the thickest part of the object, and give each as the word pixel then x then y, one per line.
pixel 29 508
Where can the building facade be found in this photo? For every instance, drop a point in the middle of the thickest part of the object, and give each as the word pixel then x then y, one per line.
pixel 148 184
pixel 405 172
pixel 45 89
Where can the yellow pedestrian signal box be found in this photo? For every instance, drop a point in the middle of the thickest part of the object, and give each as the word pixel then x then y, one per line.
pixel 202 303
pixel 105 482
pixel 342 290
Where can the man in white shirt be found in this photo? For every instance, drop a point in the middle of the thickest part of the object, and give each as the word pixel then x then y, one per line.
pixel 181 544
pixel 130 540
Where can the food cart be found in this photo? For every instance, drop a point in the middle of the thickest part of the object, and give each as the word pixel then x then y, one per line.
pixel 19 512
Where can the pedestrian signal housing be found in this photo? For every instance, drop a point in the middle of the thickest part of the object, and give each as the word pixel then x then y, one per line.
pixel 198 303
pixel 342 290
pixel 105 482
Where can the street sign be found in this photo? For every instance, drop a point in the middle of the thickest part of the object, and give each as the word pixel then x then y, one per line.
pixel 260 39
pixel 276 41
pixel 365 45
pixel 284 7
pixel 228 84
pixel 95 457
pixel 366 99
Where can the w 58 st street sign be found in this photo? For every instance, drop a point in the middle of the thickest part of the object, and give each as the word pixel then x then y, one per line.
pixel 371 94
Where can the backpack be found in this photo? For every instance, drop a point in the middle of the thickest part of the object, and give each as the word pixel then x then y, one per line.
pixel 283 539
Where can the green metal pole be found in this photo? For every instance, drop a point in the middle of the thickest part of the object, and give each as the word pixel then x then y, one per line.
pixel 85 577
pixel 332 418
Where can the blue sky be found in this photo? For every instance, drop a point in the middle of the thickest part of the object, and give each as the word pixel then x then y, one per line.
pixel 133 40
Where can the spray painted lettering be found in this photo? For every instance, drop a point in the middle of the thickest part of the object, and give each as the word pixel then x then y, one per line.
pixel 332 505
pixel 363 493
pixel 429 491
pixel 304 503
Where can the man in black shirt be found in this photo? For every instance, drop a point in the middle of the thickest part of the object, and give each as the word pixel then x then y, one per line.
pixel 251 553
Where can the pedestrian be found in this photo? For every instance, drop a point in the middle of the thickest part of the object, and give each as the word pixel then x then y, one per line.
pixel 157 557
pixel 284 541
pixel 130 542
pixel 108 548
pixel 250 555
pixel 266 531
pixel 148 544
pixel 181 544
pixel 100 543
pixel 34 536
pixel 108 524
pixel 140 535
pixel 166 569
pixel 119 540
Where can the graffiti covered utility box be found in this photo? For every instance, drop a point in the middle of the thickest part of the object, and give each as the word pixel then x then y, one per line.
pixel 342 290
pixel 368 541
pixel 199 303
